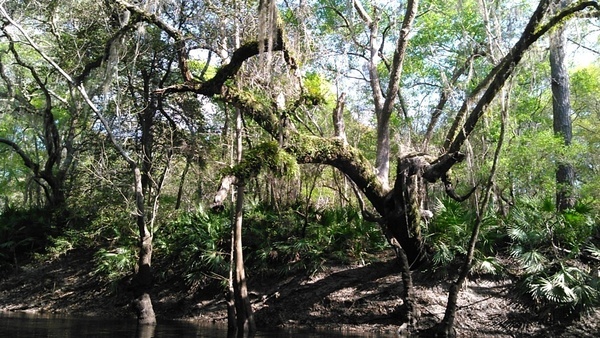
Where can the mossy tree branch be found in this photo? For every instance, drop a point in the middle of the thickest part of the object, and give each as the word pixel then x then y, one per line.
pixel 315 149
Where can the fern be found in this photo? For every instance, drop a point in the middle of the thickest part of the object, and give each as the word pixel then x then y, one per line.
pixel 442 255
pixel 114 264
pixel 536 231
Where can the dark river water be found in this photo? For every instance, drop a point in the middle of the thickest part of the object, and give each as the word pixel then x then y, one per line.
pixel 16 325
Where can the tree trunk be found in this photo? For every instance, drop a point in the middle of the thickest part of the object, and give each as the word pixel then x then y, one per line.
pixel 382 159
pixel 403 207
pixel 231 322
pixel 446 326
pixel 181 184
pixel 561 107
pixel 242 302
pixel 143 279
pixel 402 228
pixel 242 307
pixel 409 310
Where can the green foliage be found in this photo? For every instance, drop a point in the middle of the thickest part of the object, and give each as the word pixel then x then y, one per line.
pixel 541 147
pixel 441 36
pixel 534 225
pixel 116 263
pixel 318 90
pixel 568 291
pixel 545 244
pixel 197 67
pixel 24 232
pixel 448 231
pixel 487 265
pixel 448 234
pixel 198 243
pixel 593 250
pixel 585 85
pixel 63 243
pixel 277 244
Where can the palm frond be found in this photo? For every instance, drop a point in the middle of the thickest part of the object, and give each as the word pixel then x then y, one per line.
pixel 551 289
pixel 487 265
pixel 593 250
pixel 532 261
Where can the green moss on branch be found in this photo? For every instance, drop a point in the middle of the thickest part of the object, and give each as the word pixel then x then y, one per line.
pixel 349 160
pixel 268 156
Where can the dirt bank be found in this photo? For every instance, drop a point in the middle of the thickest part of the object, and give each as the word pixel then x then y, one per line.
pixel 358 297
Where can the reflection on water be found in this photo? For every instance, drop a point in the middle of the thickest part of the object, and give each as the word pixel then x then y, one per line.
pixel 23 325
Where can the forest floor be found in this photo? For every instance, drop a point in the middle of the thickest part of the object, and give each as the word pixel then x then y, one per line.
pixel 360 298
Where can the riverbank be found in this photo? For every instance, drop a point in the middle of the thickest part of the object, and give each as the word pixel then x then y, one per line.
pixel 349 297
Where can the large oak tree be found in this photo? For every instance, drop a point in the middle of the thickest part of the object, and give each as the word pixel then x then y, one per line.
pixel 399 207
pixel 269 48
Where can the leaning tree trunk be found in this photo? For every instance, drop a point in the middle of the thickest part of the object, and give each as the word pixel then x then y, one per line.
pixel 446 326
pixel 181 183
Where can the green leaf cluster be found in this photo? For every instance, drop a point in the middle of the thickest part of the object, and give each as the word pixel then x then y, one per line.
pixel 197 244
pixel 318 90
pixel 448 233
pixel 545 245
pixel 283 242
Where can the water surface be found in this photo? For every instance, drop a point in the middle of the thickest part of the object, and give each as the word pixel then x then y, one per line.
pixel 25 325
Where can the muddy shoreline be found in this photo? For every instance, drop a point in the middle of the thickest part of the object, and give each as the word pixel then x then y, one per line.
pixel 363 298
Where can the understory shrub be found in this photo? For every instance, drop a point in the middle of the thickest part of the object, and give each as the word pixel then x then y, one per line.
pixel 282 242
pixel 448 234
pixel 115 263
pixel 548 247
pixel 23 233
pixel 199 242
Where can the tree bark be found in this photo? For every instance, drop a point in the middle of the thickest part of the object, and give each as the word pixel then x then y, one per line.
pixel 231 320
pixel 409 309
pixel 144 278
pixel 339 127
pixel 243 307
pixel 181 184
pixel 385 104
pixel 561 108
pixel 403 207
